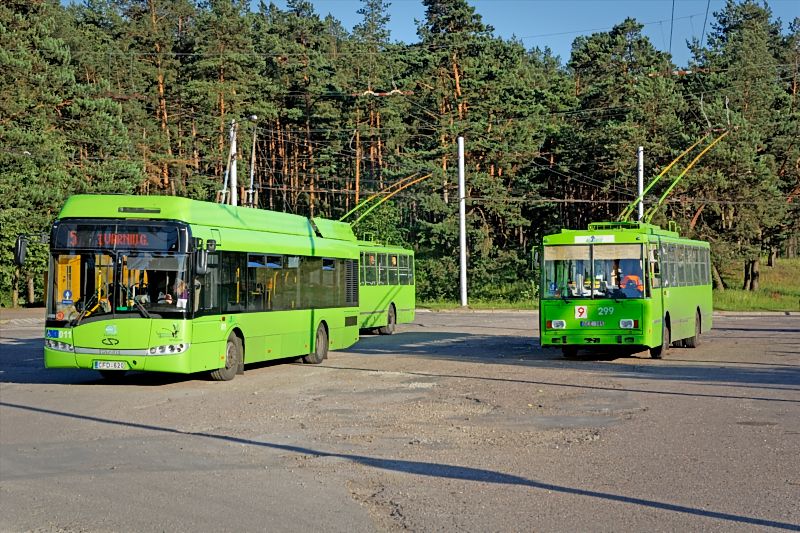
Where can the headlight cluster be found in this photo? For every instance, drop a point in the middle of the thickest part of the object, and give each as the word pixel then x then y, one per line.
pixel 168 349
pixel 557 324
pixel 628 323
pixel 58 345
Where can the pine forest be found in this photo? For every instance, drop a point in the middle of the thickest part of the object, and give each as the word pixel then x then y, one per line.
pixel 138 97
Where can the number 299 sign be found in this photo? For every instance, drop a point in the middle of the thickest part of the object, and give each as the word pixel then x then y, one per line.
pixel 581 311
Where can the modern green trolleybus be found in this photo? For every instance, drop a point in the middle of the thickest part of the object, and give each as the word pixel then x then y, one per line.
pixel 175 285
pixel 386 287
pixel 625 286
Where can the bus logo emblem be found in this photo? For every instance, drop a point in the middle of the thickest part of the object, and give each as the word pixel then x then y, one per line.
pixel 110 342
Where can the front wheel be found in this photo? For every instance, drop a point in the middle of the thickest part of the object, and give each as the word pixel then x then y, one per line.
pixel 659 351
pixel 391 322
pixel 233 358
pixel 694 342
pixel 320 352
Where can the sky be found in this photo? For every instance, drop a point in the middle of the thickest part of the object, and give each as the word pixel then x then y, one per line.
pixel 556 23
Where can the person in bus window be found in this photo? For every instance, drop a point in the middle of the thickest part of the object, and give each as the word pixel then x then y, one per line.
pixel 631 280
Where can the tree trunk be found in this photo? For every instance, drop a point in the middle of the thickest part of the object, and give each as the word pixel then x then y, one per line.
pixel 14 291
pixel 719 283
pixel 31 290
pixel 773 256
pixel 747 275
pixel 755 267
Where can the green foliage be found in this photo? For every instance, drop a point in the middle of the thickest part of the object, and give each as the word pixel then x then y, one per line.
pixel 137 96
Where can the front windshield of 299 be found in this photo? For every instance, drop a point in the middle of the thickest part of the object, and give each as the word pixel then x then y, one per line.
pixel 593 271
pixel 92 284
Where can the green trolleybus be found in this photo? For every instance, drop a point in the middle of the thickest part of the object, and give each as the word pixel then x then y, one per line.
pixel 386 287
pixel 628 286
pixel 169 284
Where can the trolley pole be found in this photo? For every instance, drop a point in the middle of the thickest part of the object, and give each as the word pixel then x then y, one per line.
pixel 462 232
pixel 640 157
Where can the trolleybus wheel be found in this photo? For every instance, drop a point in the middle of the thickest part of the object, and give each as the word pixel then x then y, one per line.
pixel 694 342
pixel 391 322
pixel 570 352
pixel 233 357
pixel 659 351
pixel 320 347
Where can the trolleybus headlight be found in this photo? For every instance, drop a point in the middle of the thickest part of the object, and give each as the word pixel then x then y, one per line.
pixel 170 349
pixel 628 323
pixel 58 345
pixel 557 324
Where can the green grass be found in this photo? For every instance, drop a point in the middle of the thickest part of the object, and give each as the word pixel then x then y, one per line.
pixel 779 288
pixel 479 304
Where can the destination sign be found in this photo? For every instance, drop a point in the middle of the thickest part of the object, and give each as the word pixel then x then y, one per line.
pixel 112 236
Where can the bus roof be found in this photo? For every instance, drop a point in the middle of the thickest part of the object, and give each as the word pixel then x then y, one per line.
pixel 201 213
pixel 372 246
pixel 613 232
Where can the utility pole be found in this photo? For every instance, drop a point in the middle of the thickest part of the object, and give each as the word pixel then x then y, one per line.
pixel 640 157
pixel 233 157
pixel 251 198
pixel 462 232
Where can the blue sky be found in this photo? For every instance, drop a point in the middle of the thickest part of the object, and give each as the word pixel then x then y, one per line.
pixel 556 23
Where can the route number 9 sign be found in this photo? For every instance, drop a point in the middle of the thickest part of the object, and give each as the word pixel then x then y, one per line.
pixel 581 311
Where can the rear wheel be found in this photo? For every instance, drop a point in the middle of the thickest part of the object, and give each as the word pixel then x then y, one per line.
pixel 320 352
pixel 694 342
pixel 659 351
pixel 391 322
pixel 233 358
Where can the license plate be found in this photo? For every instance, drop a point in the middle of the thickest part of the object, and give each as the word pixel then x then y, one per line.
pixel 110 365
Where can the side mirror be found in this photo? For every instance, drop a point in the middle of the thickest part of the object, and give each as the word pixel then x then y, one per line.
pixel 201 262
pixel 20 250
pixel 536 256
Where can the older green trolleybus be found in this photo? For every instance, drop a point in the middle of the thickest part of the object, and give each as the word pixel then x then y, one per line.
pixel 624 286
pixel 167 284
pixel 386 287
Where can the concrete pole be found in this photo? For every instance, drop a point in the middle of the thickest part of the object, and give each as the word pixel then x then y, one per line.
pixel 640 154
pixel 234 177
pixel 462 222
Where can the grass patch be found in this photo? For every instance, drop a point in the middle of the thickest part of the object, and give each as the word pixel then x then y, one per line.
pixel 779 288
pixel 480 304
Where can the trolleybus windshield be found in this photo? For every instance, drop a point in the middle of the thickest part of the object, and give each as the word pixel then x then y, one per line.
pixel 596 271
pixel 110 268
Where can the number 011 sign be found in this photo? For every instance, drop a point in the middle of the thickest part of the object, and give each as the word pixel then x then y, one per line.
pixel 580 311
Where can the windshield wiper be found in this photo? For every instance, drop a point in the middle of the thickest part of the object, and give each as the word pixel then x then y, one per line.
pixel 136 302
pixel 86 308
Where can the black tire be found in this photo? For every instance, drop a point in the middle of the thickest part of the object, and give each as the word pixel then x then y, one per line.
pixel 233 359
pixel 391 322
pixel 569 352
pixel 694 342
pixel 320 352
pixel 113 375
pixel 659 351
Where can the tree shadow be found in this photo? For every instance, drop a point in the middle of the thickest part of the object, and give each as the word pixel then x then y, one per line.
pixel 430 469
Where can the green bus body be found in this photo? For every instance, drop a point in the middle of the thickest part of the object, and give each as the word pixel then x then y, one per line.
pixel 623 284
pixel 386 287
pixel 273 280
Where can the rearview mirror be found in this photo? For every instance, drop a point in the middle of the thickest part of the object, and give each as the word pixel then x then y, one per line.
pixel 201 262
pixel 20 250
